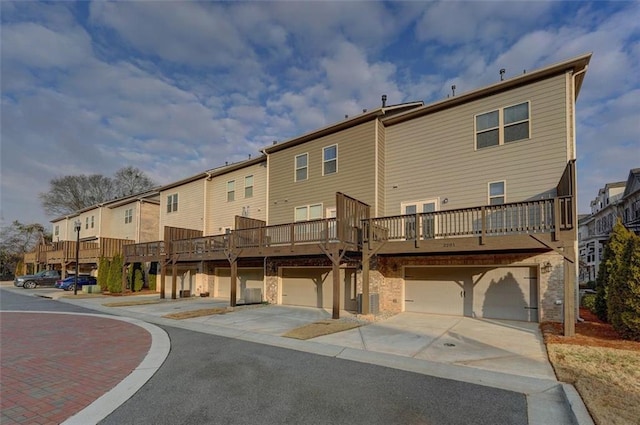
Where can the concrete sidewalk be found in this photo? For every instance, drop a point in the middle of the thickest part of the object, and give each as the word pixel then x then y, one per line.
pixel 502 354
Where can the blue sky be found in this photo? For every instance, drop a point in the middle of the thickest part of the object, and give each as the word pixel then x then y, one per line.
pixel 176 88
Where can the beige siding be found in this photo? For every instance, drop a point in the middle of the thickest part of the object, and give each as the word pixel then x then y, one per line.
pixel 435 156
pixel 149 222
pixel 220 213
pixel 86 232
pixel 190 207
pixel 63 233
pixel 381 170
pixel 113 225
pixel 355 176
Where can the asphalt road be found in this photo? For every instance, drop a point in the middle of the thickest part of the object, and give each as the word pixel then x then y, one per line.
pixel 208 379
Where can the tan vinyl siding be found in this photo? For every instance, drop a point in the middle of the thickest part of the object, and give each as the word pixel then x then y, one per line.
pixel 113 225
pixel 63 232
pixel 91 232
pixel 381 169
pixel 221 213
pixel 190 207
pixel 435 156
pixel 355 176
pixel 149 222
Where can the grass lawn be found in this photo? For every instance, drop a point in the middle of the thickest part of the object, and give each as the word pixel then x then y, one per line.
pixel 604 368
pixel 323 327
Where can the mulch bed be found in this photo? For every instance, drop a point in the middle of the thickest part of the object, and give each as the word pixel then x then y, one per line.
pixel 592 332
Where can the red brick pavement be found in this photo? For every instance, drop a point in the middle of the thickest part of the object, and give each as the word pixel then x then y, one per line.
pixel 54 365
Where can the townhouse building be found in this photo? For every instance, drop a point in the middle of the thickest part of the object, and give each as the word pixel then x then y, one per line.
pixel 465 206
pixel 103 230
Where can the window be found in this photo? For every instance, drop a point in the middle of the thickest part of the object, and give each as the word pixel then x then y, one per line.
pixel 308 212
pixel 172 203
pixel 502 126
pixel 301 167
pixel 128 216
pixel 231 190
pixel 57 231
pixel 92 222
pixel 248 186
pixel 86 223
pixel 497 193
pixel 330 160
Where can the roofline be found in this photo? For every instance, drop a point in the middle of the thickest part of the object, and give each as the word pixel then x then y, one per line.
pixel 576 64
pixel 216 172
pixel 339 126
pixel 121 201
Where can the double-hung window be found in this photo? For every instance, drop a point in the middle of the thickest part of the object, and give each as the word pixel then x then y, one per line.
pixel 302 167
pixel 497 193
pixel 92 217
pixel 86 223
pixel 128 216
pixel 308 212
pixel 231 190
pixel 330 160
pixel 503 125
pixel 57 231
pixel 172 203
pixel 248 186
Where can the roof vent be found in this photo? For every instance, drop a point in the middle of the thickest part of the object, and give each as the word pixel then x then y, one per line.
pixel 275 142
pixel 364 111
pixel 249 156
pixel 502 71
pixel 384 100
pixel 453 90
pixel 346 116
pixel 226 163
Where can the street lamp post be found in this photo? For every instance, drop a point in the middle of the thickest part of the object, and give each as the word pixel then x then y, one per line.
pixel 77 225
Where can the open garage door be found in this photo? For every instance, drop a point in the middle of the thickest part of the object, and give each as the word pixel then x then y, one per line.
pixel 247 278
pixel 509 293
pixel 313 287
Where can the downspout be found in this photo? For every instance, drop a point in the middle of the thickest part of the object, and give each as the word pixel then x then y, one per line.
pixel 136 236
pixel 575 195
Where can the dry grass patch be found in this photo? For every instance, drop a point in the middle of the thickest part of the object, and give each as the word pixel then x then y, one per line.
pixel 323 327
pixel 608 380
pixel 604 368
pixel 131 303
pixel 196 313
pixel 83 295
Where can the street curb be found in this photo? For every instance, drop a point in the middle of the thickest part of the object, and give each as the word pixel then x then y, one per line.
pixel 579 411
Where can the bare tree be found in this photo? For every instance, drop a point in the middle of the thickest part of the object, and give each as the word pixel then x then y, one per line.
pixel 72 193
pixel 130 180
pixel 15 240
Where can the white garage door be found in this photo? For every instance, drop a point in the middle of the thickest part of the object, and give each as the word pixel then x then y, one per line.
pixel 498 293
pixel 247 278
pixel 313 287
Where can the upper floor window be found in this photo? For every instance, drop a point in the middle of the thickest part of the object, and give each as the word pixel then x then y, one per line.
pixel 502 126
pixel 497 193
pixel 92 222
pixel 301 163
pixel 248 186
pixel 231 190
pixel 128 216
pixel 308 212
pixel 330 160
pixel 86 223
pixel 56 231
pixel 172 203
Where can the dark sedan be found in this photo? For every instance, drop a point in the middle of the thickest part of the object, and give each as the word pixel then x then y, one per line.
pixel 68 283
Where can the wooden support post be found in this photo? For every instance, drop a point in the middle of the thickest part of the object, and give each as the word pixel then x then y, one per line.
pixel 569 299
pixel 336 288
pixel 234 282
pixel 163 277
pixel 174 280
pixel 483 214
pixel 365 281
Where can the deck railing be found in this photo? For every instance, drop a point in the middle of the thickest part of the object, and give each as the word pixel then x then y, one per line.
pixel 144 249
pixel 201 245
pixel 493 220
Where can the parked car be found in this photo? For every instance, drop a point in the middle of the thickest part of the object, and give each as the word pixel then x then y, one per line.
pixel 43 278
pixel 68 283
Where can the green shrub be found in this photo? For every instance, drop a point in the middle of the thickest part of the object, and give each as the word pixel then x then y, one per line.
pixel 588 301
pixel 624 291
pixel 104 266
pixel 608 270
pixel 114 282
pixel 138 280
pixel 152 281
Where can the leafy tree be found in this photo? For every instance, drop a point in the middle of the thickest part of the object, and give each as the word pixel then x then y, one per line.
pixel 623 301
pixel 138 280
pixel 17 239
pixel 72 193
pixel 104 266
pixel 115 274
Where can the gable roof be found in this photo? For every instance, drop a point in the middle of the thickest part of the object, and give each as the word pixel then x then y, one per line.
pixel 343 125
pixel 574 65
pixel 633 182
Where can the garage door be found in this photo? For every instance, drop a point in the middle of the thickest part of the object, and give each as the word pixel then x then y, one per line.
pixel 247 278
pixel 313 287
pixel 498 293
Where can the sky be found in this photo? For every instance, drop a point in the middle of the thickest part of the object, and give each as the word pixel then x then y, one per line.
pixel 177 88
